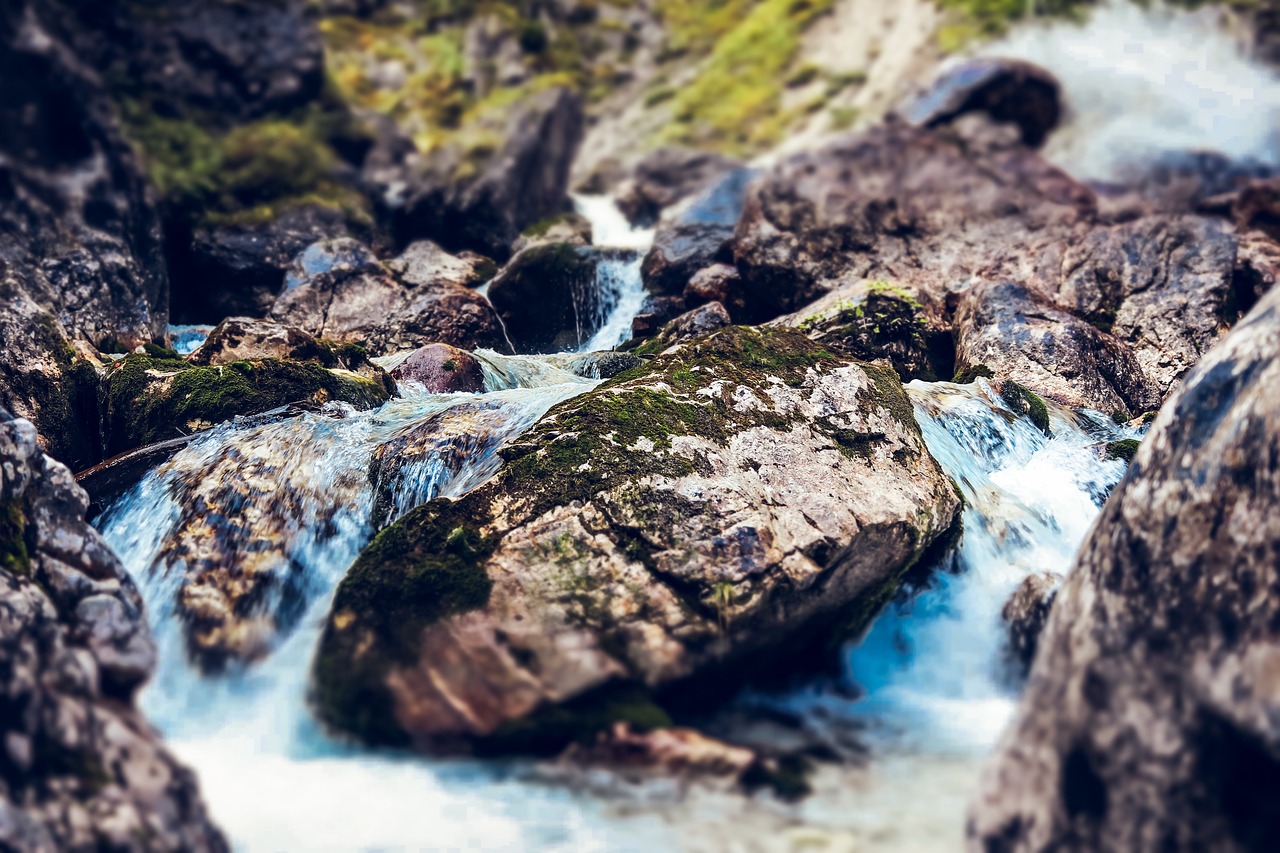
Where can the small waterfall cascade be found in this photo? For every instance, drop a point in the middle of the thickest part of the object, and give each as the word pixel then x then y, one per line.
pixel 1145 79
pixel 274 780
pixel 933 666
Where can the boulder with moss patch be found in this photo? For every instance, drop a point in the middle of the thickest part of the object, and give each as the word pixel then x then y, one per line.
pixel 744 493
pixel 157 396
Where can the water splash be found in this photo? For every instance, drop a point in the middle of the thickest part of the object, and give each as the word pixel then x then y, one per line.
pixel 609 226
pixel 1142 80
pixel 934 666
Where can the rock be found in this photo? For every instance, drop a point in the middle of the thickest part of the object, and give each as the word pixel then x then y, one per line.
pixel 154 397
pixel 1149 719
pixel 1007 90
pixel 666 176
pixel 696 235
pixel 667 753
pixel 424 264
pixel 82 768
pixel 1185 181
pixel 338 290
pixel 571 228
pixel 1003 326
pixel 717 283
pixel 880 320
pixel 1257 207
pixel 673 529
pixel 228 62
pixel 246 339
pixel 80 240
pixel 549 297
pixel 239 269
pixel 479 199
pixel 1026 611
pixel 604 365
pixel 897 204
pixel 655 312
pixel 442 369
pixel 691 324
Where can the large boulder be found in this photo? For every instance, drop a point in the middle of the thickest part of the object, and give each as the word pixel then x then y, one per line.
pixel 1007 90
pixel 80 243
pixel 471 196
pixel 80 768
pixel 156 396
pixel 550 298
pixel 1151 719
pixel 682 525
pixel 696 235
pixel 442 369
pixel 338 290
pixel 665 176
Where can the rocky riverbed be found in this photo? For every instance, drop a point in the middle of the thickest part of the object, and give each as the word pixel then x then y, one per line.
pixel 712 426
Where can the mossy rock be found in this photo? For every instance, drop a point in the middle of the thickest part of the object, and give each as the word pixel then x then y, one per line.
pixel 968 375
pixel 153 397
pixel 544 571
pixel 1026 403
pixel 1124 449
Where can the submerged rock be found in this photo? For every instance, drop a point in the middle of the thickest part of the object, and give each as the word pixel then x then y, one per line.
pixel 1150 717
pixel 338 290
pixel 156 396
pixel 80 768
pixel 1026 611
pixel 702 517
pixel 1007 90
pixel 442 369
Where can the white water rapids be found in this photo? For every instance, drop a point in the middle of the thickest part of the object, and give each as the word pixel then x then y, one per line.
pixel 935 691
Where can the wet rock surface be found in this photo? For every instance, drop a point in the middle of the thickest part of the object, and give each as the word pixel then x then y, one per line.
pixel 1007 90
pixel 338 290
pixel 1148 718
pixel 157 396
pixel 1026 612
pixel 655 532
pixel 666 176
pixel 442 369
pixel 79 768
pixel 548 296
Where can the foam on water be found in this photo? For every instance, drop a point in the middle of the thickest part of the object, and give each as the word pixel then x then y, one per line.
pixel 609 226
pixel 1143 81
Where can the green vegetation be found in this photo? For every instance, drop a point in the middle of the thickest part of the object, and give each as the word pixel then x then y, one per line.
pixel 1124 449
pixel 246 175
pixel 734 101
pixel 967 375
pixel 13 543
pixel 1026 403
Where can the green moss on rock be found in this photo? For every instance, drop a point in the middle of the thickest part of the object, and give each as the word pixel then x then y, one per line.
pixel 13 544
pixel 1026 403
pixel 967 375
pixel 152 398
pixel 1124 449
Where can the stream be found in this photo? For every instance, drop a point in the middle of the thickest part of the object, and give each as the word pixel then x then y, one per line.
pixel 933 690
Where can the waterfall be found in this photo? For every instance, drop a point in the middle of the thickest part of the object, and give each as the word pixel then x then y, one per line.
pixel 1142 80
